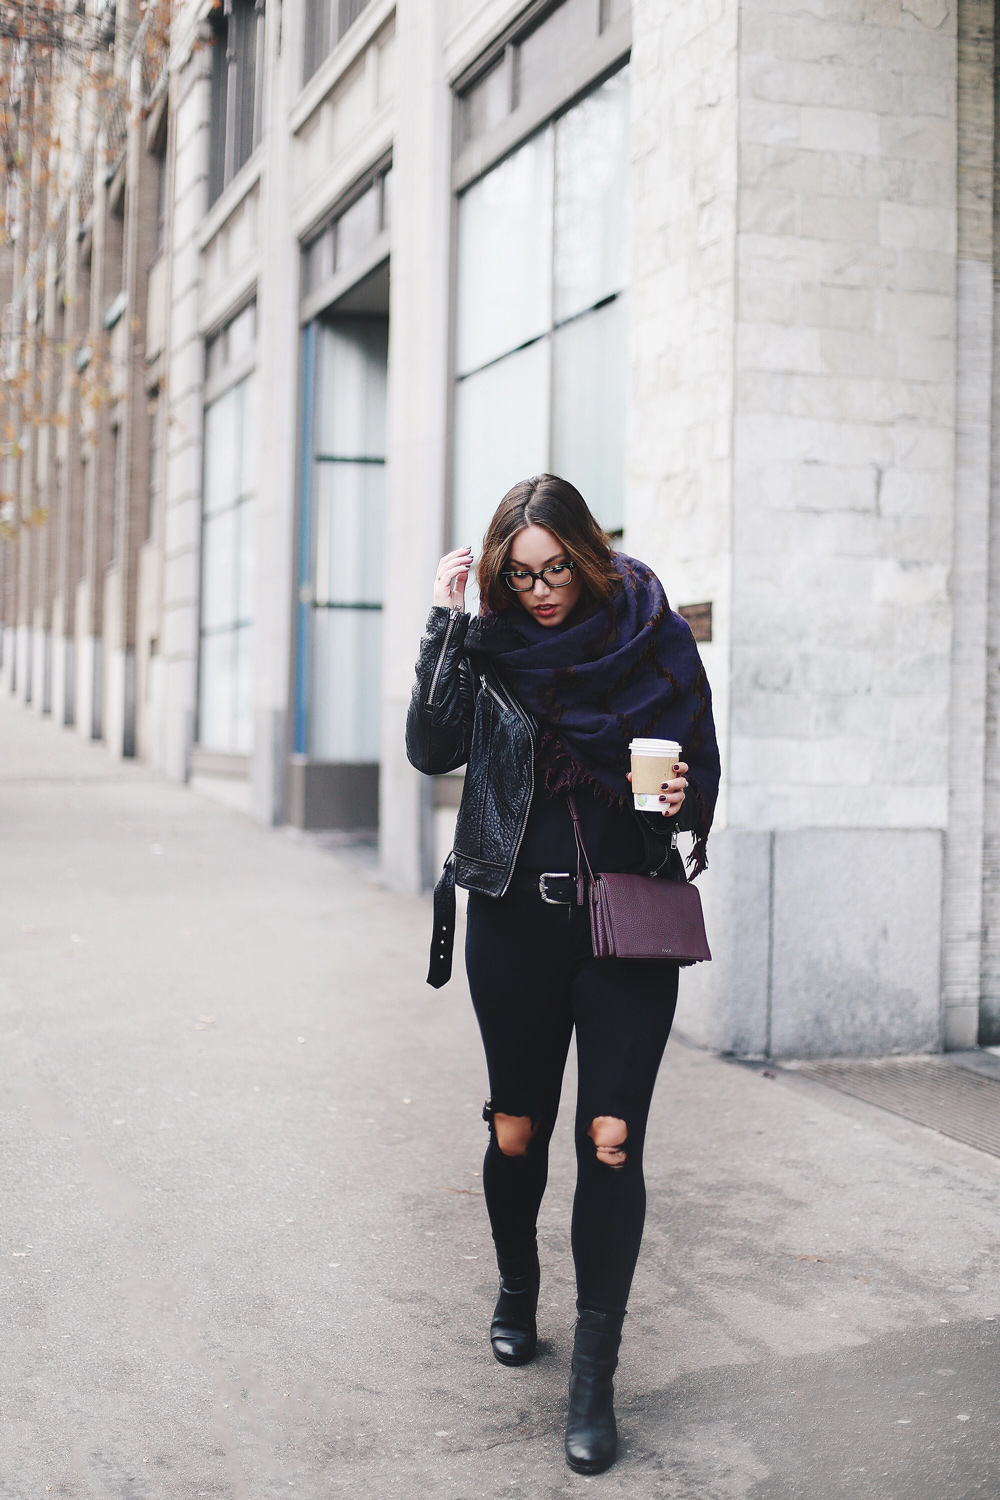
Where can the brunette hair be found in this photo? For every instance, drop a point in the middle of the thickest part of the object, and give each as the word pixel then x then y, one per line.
pixel 546 500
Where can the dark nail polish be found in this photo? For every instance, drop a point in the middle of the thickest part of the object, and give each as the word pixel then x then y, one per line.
pixel 663 799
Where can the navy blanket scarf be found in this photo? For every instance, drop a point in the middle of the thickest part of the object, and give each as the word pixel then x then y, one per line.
pixel 628 670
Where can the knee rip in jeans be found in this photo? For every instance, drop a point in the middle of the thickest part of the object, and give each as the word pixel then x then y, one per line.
pixel 609 1135
pixel 514 1133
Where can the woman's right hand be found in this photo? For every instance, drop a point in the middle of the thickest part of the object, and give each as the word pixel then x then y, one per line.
pixel 451 577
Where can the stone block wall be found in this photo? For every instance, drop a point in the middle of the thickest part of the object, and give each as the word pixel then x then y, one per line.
pixel 965 977
pixel 826 516
pixel 682 293
pixel 844 425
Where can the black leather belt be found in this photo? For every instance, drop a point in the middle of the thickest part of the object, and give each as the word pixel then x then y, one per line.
pixel 555 888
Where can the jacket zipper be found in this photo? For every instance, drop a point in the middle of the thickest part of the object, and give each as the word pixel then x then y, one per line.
pixel 524 824
pixel 453 616
pixel 493 693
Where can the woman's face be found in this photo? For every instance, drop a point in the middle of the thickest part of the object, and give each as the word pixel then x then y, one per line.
pixel 533 550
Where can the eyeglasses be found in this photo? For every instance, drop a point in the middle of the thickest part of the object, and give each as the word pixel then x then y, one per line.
pixel 522 580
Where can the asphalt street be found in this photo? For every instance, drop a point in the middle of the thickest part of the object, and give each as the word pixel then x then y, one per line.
pixel 243 1243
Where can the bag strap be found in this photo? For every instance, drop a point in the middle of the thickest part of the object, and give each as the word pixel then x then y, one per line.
pixel 581 850
pixel 672 862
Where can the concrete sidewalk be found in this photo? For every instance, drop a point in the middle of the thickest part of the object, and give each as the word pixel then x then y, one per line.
pixel 244 1247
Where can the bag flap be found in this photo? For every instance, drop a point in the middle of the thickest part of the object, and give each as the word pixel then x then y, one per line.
pixel 646 918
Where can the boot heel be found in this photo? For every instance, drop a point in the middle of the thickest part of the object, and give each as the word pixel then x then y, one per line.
pixel 591 1430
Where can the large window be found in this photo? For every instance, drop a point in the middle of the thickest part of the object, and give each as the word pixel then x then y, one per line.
pixel 237 90
pixel 225 696
pixel 541 322
pixel 341 591
pixel 325 23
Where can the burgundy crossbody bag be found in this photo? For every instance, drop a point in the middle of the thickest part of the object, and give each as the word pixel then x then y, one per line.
pixel 641 916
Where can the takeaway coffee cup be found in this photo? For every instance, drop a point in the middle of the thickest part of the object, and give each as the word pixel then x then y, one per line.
pixel 653 763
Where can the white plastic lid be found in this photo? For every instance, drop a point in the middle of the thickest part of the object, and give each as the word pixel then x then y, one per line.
pixel 655 747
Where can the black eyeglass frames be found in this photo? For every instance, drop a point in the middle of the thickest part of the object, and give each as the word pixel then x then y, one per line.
pixel 522 580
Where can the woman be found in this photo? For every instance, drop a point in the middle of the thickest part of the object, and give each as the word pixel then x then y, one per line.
pixel 575 653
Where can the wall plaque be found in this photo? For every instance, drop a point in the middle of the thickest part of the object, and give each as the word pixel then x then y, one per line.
pixel 699 617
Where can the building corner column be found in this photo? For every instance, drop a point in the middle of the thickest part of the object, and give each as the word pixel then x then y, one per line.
pixel 679 455
pixel 416 447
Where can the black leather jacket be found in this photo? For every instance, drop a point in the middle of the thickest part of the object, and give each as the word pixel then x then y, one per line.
pixel 461 712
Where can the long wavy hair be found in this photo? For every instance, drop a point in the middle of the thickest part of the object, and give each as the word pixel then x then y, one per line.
pixel 546 500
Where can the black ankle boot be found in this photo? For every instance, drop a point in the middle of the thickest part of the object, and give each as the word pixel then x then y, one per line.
pixel 513 1333
pixel 591 1433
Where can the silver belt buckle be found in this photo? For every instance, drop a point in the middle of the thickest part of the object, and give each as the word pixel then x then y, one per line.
pixel 542 891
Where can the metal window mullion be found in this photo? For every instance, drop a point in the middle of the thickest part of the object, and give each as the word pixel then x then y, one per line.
pixel 338 458
pixel 359 604
pixel 488 364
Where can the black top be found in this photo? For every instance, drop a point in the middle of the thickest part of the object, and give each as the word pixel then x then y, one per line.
pixel 611 833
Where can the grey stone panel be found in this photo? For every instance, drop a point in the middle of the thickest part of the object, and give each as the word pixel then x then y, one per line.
pixel 723 1004
pixel 856 954
pixel 326 794
pixel 267 763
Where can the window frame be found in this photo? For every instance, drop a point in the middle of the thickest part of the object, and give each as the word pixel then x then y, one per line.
pixel 611 49
pixel 313 300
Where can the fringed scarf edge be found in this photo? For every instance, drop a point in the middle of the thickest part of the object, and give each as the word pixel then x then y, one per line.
pixel 561 773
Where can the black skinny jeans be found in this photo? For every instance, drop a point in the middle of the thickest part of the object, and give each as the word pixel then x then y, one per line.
pixel 533 977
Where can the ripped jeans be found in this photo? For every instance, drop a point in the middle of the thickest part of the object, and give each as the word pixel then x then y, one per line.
pixel 533 978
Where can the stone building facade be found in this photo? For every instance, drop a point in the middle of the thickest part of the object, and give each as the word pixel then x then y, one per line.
pixel 730 267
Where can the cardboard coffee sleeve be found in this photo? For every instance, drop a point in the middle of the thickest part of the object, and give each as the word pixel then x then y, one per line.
pixel 653 763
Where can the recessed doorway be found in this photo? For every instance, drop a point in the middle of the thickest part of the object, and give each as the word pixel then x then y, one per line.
pixel 334 767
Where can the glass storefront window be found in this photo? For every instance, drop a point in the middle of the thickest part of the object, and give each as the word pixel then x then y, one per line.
pixel 501 429
pixel 541 335
pixel 225 689
pixel 505 256
pixel 591 195
pixel 589 407
pixel 346 501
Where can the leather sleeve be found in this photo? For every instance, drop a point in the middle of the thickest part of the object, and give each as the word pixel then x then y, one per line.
pixel 442 705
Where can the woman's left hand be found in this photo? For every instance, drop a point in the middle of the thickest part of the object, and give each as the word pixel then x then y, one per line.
pixel 671 792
